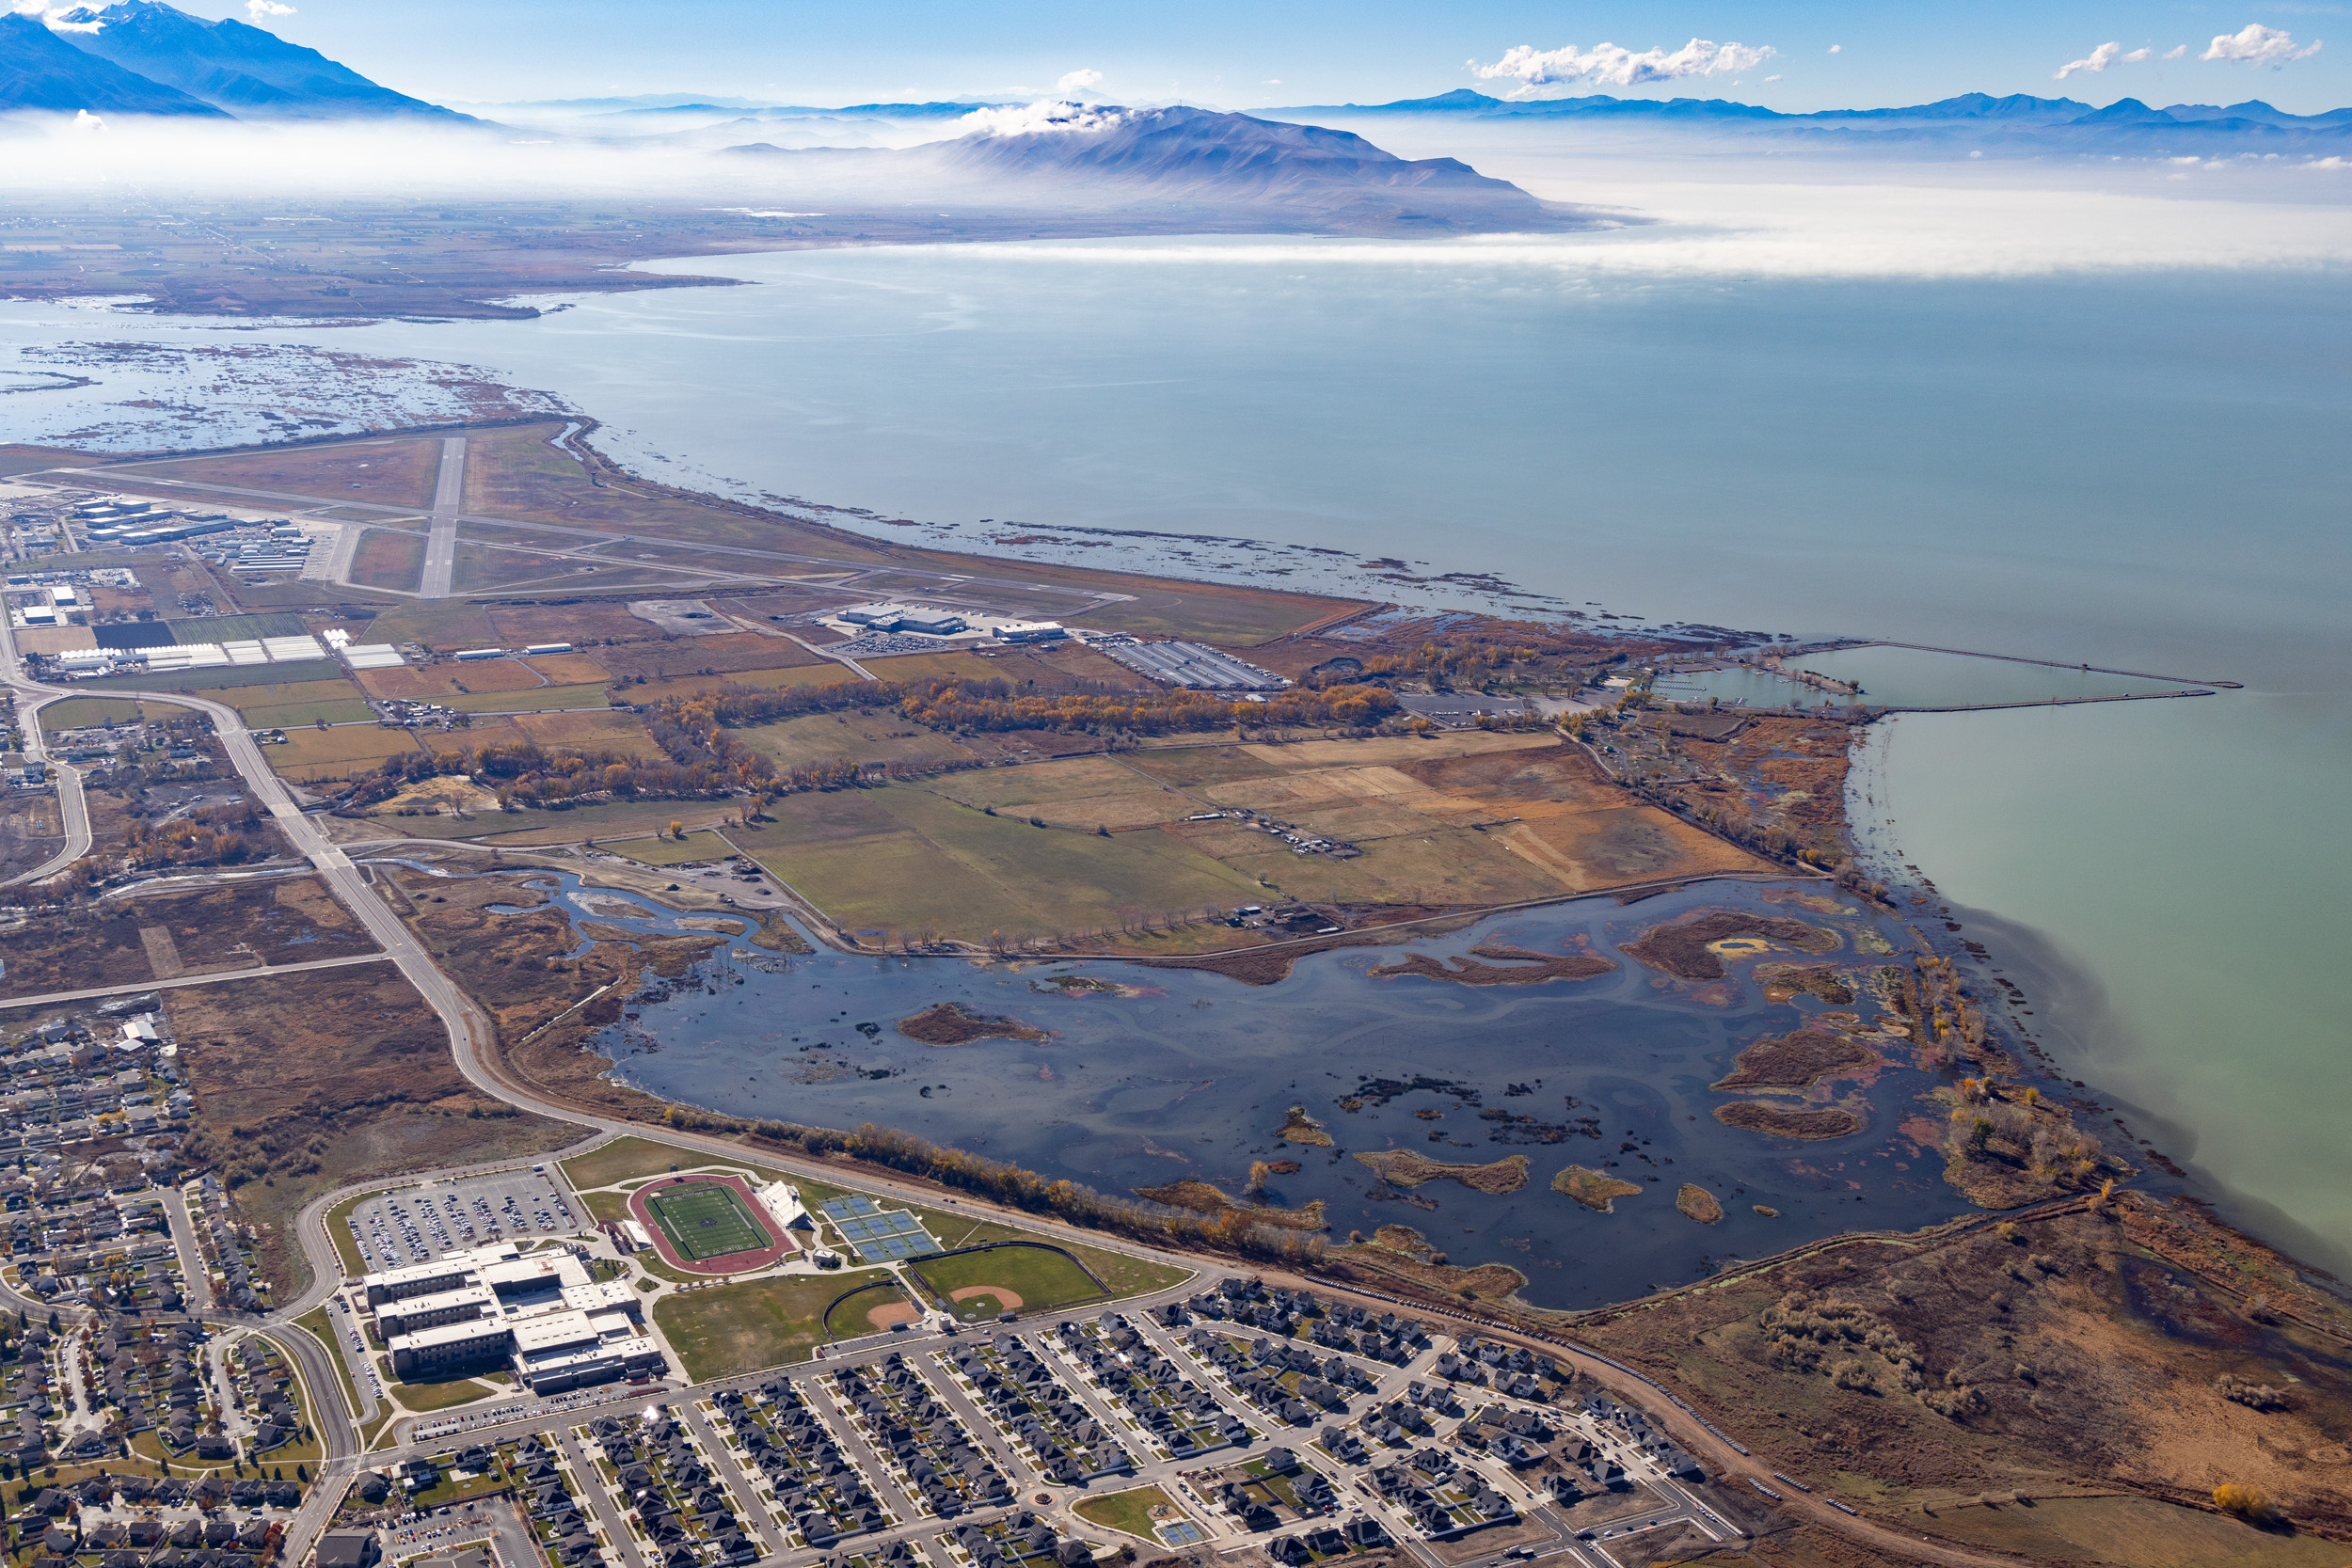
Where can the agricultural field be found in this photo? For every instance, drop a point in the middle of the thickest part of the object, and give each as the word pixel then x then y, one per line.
pixel 612 730
pixel 629 819
pixel 564 668
pixel 885 736
pixel 526 700
pixel 732 1329
pixel 433 683
pixel 345 751
pixel 1078 792
pixel 82 713
pixel 216 684
pixel 654 656
pixel 269 707
pixel 1464 820
pixel 674 851
pixel 908 860
pixel 916 666
pixel 825 673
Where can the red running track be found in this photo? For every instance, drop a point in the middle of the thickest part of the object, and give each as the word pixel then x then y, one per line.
pixel 733 1262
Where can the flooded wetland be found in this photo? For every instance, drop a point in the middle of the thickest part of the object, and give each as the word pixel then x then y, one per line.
pixel 1743 1039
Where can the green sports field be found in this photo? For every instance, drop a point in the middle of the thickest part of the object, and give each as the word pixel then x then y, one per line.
pixel 704 1220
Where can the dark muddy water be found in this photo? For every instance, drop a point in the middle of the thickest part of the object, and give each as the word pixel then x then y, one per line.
pixel 1175 1076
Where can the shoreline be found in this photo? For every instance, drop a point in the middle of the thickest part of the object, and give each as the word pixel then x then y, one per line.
pixel 2232 1201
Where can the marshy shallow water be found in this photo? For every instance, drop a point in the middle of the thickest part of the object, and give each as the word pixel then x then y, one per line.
pixel 1156 1076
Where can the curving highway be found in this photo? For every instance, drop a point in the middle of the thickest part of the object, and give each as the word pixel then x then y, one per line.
pixel 70 804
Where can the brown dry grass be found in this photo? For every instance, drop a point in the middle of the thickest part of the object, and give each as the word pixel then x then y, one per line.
pixel 391 472
pixel 583 625
pixel 389 558
pixel 723 653
pixel 617 731
pixel 564 669
pixel 948 1024
pixel 1817 1124
pixel 205 929
pixel 1796 1060
pixel 2095 1342
pixel 1205 1198
pixel 345 751
pixel 1594 1189
pixel 1405 1167
pixel 429 681
pixel 1683 948
pixel 1517 966
pixel 1399 1255
pixel 303 1082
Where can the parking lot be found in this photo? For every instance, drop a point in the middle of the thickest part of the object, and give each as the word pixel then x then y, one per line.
pixel 411 1224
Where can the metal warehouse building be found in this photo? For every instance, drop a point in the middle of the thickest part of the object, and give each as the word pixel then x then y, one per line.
pixel 1189 665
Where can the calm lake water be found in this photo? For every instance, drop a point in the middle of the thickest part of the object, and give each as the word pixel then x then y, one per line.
pixel 2083 461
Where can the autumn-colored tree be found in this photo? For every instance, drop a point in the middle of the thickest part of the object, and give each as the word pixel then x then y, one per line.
pixel 2250 1503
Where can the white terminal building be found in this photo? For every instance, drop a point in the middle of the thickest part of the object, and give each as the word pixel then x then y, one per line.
pixel 540 1313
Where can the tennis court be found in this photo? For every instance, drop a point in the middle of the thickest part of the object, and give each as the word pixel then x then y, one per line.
pixel 877 1235
pixel 706 1219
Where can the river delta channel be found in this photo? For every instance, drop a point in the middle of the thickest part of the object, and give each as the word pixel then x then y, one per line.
pixel 1153 1076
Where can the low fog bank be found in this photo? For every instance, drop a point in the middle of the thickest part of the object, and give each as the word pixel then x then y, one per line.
pixel 1040 158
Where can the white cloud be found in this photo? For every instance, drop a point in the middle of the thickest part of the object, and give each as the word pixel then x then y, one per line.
pixel 54 15
pixel 2255 44
pixel 2176 52
pixel 1021 120
pixel 1836 48
pixel 1741 224
pixel 2100 58
pixel 257 10
pixel 1774 77
pixel 1607 63
pixel 1074 81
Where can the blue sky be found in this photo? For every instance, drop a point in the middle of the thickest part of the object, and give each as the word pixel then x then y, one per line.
pixel 1237 53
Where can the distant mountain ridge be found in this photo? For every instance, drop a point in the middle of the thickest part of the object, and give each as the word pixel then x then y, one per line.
pixel 1975 123
pixel 40 69
pixel 1104 156
pixel 145 57
pixel 2017 107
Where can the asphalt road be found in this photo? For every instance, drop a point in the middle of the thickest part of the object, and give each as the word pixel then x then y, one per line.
pixel 449 499
pixel 71 805
pixel 950 582
pixel 213 979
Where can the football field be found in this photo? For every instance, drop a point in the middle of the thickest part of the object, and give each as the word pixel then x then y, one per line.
pixel 704 1220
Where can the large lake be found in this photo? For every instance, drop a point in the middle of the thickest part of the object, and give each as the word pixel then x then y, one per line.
pixel 2088 426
